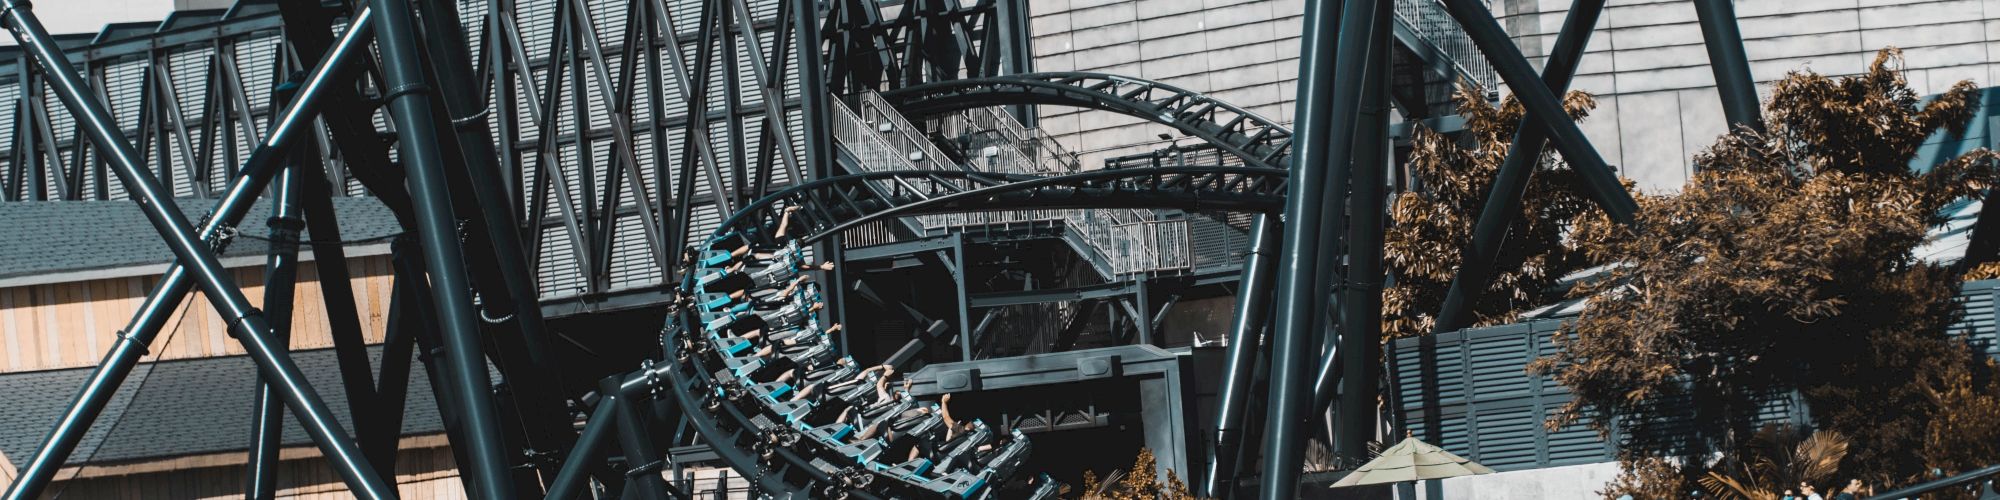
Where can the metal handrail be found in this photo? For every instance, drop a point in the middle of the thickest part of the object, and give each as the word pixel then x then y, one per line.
pixel 1433 24
pixel 1117 241
pixel 1974 477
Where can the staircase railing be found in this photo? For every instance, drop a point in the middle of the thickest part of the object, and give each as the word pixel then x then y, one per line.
pixel 1435 26
pixel 1116 242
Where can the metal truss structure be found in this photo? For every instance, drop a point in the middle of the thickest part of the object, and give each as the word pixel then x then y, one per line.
pixel 541 164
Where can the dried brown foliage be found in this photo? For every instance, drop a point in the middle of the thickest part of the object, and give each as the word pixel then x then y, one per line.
pixel 1646 477
pixel 1140 483
pixel 1779 459
pixel 1432 225
pixel 1786 264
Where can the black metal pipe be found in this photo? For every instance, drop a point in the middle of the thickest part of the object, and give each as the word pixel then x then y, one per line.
pixel 521 301
pixel 1510 184
pixel 1361 305
pixel 409 98
pixel 408 313
pixel 569 480
pixel 1323 138
pixel 1731 66
pixel 643 460
pixel 1600 183
pixel 280 279
pixel 1253 308
pixel 350 345
pixel 176 282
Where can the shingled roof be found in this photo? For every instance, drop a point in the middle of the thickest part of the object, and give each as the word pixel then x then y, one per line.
pixel 43 238
pixel 181 407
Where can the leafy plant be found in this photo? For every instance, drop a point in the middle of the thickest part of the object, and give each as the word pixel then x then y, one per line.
pixel 1140 483
pixel 1779 458
pixel 1785 264
pixel 1431 225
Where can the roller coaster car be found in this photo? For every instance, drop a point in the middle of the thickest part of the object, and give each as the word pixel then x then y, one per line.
pixel 742 366
pixel 794 412
pixel 1002 462
pixel 771 392
pixel 1045 488
pixel 832 435
pixel 713 302
pixel 912 471
pixel 730 346
pixel 742 393
pixel 958 484
pixel 715 258
pixel 864 451
pixel 963 447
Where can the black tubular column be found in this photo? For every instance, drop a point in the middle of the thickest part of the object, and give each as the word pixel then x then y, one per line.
pixel 350 345
pixel 819 155
pixel 1503 201
pixel 1324 131
pixel 182 276
pixel 418 143
pixel 1253 307
pixel 1361 307
pixel 1727 59
pixel 589 446
pixel 1017 55
pixel 280 279
pixel 484 174
pixel 1601 183
pixel 643 460
pixel 409 311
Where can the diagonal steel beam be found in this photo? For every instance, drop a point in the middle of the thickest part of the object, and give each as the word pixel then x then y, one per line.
pixel 280 279
pixel 408 95
pixel 1252 309
pixel 1360 348
pixel 1729 63
pixel 177 281
pixel 1327 108
pixel 1601 183
pixel 1510 184
pixel 500 267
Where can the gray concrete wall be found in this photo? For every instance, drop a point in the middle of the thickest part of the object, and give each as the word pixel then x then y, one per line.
pixel 1657 99
pixel 1243 52
pixel 1570 481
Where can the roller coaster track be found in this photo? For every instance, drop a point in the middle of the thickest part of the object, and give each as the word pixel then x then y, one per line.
pixel 1259 141
pixel 775 441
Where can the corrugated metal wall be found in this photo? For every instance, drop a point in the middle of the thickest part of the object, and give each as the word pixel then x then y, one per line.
pixel 1470 392
pixel 584 143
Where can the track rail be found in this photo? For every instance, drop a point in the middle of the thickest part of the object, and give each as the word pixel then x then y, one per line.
pixel 782 444
pixel 1259 141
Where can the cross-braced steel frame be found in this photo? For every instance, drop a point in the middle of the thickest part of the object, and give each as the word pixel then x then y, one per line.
pixel 537 159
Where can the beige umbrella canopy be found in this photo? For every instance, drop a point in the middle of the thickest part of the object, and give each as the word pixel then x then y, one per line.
pixel 1411 460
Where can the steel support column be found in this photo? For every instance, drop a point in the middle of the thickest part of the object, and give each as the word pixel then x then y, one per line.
pixel 1360 348
pixel 643 460
pixel 518 298
pixel 959 275
pixel 1510 184
pixel 280 279
pixel 177 281
pixel 1731 66
pixel 589 447
pixel 1252 309
pixel 1324 133
pixel 1600 183
pixel 417 140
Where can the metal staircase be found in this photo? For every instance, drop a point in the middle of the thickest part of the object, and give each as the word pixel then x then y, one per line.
pixel 1118 243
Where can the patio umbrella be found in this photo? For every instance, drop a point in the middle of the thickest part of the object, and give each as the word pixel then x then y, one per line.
pixel 1411 460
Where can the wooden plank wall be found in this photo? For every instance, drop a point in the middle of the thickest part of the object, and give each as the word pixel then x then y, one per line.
pixel 421 474
pixel 68 325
